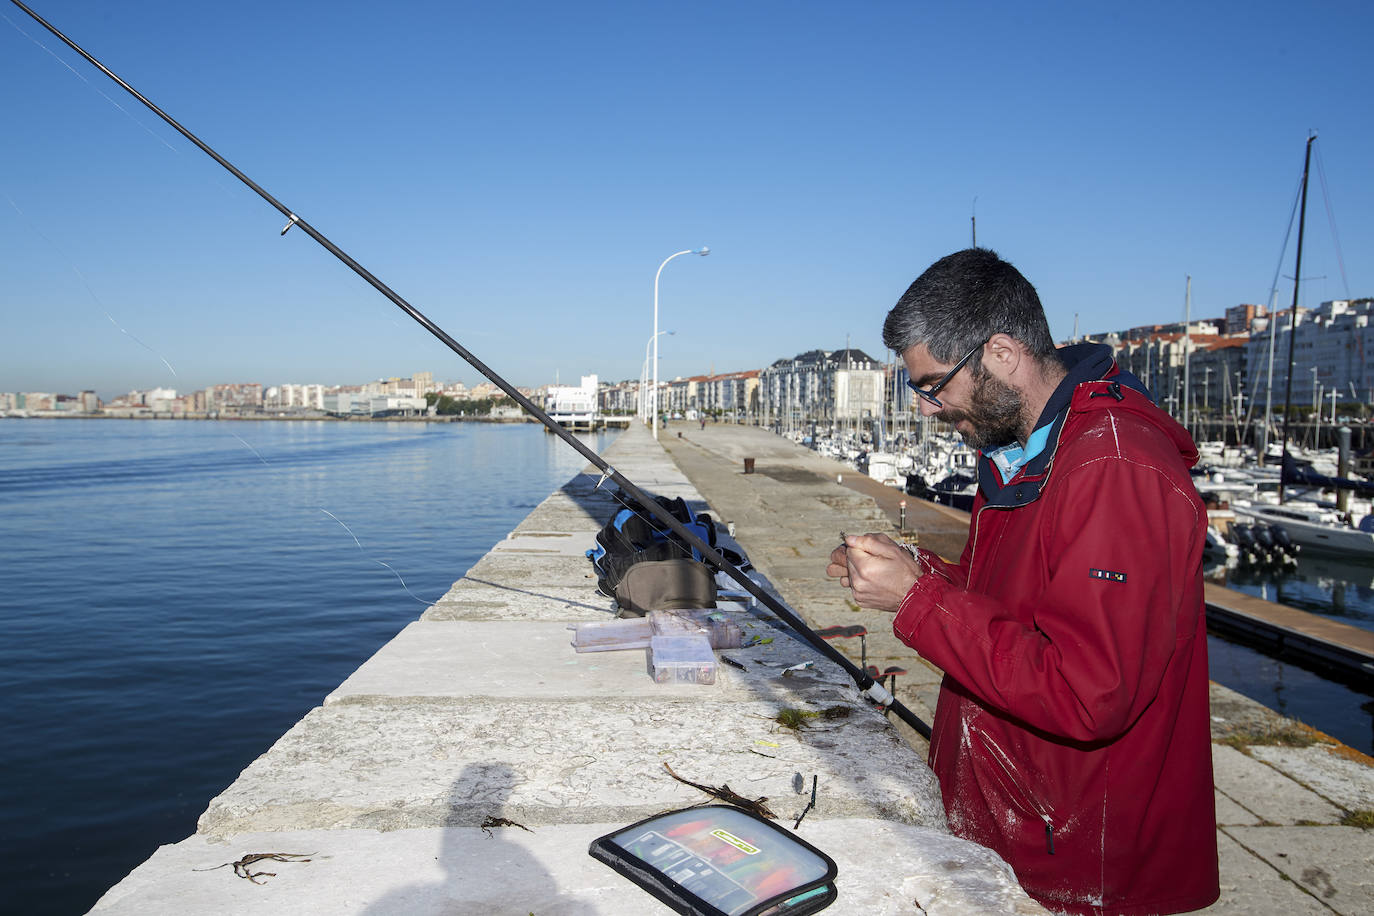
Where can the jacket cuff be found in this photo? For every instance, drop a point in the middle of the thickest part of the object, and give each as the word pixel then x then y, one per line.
pixel 916 606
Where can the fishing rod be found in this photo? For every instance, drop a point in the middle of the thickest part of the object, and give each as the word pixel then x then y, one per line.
pixel 866 684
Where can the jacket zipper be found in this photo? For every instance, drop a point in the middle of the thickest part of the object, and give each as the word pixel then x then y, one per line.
pixel 1028 803
pixel 977 530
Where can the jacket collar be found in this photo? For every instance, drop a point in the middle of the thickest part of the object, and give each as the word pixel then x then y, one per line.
pixel 1083 363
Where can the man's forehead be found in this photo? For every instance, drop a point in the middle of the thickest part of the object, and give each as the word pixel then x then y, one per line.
pixel 919 363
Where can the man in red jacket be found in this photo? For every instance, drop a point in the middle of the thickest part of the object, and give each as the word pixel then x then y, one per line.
pixel 1072 731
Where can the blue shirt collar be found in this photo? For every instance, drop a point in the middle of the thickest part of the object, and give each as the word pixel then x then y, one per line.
pixel 1011 458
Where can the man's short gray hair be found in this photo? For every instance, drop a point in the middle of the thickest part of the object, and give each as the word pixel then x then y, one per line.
pixel 965 298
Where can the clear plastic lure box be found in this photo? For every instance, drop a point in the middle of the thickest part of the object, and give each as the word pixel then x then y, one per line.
pixel 610 635
pixel 682 660
pixel 715 625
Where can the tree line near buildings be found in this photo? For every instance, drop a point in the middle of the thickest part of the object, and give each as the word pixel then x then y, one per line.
pixel 446 406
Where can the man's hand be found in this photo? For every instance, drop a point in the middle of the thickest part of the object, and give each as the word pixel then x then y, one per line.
pixel 877 569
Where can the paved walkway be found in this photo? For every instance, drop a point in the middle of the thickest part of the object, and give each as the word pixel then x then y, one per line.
pixel 1285 793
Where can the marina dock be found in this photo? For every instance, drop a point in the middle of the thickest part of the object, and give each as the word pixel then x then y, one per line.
pixel 480 713
pixel 1345 651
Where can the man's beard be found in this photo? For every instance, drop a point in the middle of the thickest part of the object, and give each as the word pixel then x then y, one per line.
pixel 994 414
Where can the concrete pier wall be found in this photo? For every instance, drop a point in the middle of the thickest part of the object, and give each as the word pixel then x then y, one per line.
pixel 480 713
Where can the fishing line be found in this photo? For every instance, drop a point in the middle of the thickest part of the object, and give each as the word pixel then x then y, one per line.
pixel 255 452
pixel 866 684
pixel 125 331
pixel 71 264
pixel 374 559
pixel 82 277
pixel 94 296
pixel 214 179
pixel 77 73
pixel 361 548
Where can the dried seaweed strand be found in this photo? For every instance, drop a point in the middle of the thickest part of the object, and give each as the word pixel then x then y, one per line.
pixel 241 866
pixel 729 796
pixel 501 822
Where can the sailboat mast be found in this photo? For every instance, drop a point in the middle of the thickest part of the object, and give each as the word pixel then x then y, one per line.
pixel 1293 325
pixel 1187 345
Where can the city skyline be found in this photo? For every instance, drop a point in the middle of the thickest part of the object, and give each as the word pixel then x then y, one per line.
pixel 1223 332
pixel 518 173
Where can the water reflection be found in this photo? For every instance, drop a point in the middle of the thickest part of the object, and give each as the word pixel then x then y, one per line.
pixel 1321 584
pixel 1343 712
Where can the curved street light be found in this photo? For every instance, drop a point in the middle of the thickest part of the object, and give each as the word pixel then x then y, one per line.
pixel 703 251
pixel 644 375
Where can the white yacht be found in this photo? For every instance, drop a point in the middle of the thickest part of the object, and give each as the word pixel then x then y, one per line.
pixel 1314 526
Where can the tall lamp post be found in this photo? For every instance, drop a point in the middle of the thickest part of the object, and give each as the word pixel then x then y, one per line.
pixel 703 251
pixel 644 374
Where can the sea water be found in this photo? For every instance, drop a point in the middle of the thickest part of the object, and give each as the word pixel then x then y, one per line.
pixel 174 595
pixel 1340 588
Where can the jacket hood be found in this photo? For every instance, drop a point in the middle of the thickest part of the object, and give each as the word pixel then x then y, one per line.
pixel 1093 382
pixel 1085 362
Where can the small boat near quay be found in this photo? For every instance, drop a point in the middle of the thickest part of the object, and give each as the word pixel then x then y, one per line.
pixel 1314 526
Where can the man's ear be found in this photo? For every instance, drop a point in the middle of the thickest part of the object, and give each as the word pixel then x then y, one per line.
pixel 1003 356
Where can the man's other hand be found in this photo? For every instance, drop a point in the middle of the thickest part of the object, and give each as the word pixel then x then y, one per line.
pixel 877 569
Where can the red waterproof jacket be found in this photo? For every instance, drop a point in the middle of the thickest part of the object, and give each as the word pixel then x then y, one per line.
pixel 1072 732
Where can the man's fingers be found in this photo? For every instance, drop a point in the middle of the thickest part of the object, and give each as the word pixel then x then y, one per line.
pixel 879 545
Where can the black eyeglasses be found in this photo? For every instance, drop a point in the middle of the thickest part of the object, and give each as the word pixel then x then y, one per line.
pixel 928 394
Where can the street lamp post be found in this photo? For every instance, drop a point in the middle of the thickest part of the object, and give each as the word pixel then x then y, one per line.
pixel 703 251
pixel 644 374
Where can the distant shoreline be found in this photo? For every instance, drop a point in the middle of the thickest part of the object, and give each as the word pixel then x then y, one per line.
pixel 241 417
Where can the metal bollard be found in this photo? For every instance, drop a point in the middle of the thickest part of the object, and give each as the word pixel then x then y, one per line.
pixel 901 516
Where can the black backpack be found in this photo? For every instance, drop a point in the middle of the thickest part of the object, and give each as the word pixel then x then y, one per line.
pixel 634 536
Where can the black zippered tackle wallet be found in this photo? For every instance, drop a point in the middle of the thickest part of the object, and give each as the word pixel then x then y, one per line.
pixel 717 860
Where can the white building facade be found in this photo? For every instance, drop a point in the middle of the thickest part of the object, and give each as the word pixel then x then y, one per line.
pixel 570 404
pixel 1333 351
pixel 828 386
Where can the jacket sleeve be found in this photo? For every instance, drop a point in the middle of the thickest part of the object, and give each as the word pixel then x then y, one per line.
pixel 1123 588
pixel 956 573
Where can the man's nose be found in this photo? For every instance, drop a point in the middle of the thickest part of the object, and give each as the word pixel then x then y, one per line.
pixel 927 409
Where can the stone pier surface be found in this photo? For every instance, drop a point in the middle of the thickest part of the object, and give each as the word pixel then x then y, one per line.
pixel 466 767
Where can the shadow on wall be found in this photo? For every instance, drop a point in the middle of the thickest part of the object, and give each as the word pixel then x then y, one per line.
pixel 489 871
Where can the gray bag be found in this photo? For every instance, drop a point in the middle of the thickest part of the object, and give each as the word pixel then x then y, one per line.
pixel 664 585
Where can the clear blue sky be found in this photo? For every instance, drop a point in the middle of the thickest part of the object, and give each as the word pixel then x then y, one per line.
pixel 518 170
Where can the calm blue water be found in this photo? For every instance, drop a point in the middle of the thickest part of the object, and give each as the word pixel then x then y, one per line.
pixel 1333 587
pixel 1342 712
pixel 174 597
